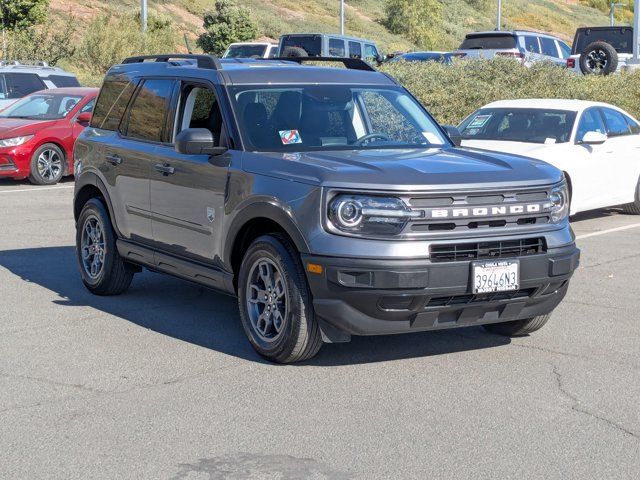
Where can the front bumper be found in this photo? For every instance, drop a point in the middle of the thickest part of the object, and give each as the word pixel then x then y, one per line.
pixel 14 163
pixel 376 297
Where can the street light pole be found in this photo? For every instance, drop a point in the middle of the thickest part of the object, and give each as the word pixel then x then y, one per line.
pixel 341 17
pixel 499 18
pixel 143 15
pixel 636 31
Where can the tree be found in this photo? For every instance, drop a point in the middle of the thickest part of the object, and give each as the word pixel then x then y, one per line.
pixel 41 42
pixel 417 20
pixel 227 23
pixel 18 14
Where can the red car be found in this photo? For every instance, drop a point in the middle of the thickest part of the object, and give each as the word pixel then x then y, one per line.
pixel 37 133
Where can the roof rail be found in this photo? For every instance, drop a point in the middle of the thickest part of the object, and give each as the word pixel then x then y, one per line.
pixel 30 63
pixel 203 61
pixel 350 63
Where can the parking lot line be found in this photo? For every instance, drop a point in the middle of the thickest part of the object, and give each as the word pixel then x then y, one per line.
pixel 36 189
pixel 610 230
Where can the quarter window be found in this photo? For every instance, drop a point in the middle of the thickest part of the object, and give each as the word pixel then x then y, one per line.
pixel 615 122
pixel 111 104
pixel 336 48
pixel 591 121
pixel 149 110
pixel 355 50
pixel 531 44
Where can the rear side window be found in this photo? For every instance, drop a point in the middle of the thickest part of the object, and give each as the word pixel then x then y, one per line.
pixel 531 44
pixel 111 104
pixel 64 81
pixel 17 85
pixel 336 47
pixel 488 41
pixel 549 47
pixel 148 112
pixel 616 124
pixel 633 125
pixel 355 50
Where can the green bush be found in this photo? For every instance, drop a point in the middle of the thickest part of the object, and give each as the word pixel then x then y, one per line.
pixel 227 23
pixel 417 20
pixel 453 92
pixel 108 40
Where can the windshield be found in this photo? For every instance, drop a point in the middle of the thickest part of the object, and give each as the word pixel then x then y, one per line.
pixel 42 106
pixel 332 117
pixel 245 51
pixel 311 44
pixel 530 125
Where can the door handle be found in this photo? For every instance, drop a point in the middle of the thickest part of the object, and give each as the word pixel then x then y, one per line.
pixel 164 169
pixel 114 159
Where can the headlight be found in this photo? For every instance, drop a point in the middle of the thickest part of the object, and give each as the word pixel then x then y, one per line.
pixel 559 200
pixel 15 141
pixel 370 214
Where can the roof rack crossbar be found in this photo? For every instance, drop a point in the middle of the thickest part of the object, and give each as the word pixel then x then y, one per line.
pixel 203 61
pixel 350 63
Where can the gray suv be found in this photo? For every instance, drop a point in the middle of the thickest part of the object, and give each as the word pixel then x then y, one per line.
pixel 327 199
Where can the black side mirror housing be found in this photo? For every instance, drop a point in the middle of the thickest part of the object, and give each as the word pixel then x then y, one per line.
pixel 454 134
pixel 197 141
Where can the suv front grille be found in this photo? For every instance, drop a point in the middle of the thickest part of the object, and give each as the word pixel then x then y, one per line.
pixel 456 211
pixel 480 250
pixel 457 300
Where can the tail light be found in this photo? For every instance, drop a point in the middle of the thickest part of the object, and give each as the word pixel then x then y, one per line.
pixel 571 62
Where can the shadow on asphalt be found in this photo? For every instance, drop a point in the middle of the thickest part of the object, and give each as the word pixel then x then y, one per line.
pixel 194 314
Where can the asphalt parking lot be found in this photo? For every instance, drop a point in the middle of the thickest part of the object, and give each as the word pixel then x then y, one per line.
pixel 161 382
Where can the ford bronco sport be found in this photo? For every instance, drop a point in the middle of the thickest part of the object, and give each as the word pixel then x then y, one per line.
pixel 327 199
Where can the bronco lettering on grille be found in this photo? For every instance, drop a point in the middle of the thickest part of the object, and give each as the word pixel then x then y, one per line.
pixel 505 210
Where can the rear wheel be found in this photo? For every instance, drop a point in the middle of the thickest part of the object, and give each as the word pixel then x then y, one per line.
pixel 103 270
pixel 47 165
pixel 275 303
pixel 518 328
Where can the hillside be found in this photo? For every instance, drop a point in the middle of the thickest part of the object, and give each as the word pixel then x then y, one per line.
pixel 363 17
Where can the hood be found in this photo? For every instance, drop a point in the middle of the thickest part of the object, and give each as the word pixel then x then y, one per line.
pixel 406 170
pixel 14 127
pixel 534 150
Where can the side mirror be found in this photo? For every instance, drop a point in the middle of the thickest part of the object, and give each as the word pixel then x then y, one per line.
pixel 380 59
pixel 454 134
pixel 197 141
pixel 84 118
pixel 593 138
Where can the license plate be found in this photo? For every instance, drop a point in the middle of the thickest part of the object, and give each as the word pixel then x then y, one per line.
pixel 495 276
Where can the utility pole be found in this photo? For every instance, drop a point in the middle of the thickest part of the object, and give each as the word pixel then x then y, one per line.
pixel 499 17
pixel 341 17
pixel 143 15
pixel 636 29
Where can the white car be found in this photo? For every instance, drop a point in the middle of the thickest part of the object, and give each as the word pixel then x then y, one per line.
pixel 251 50
pixel 596 145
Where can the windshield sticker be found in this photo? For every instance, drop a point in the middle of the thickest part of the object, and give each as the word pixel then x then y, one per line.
pixel 549 141
pixel 473 131
pixel 432 138
pixel 294 157
pixel 479 122
pixel 289 137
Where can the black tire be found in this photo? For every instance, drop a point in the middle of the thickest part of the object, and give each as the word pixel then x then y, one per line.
pixel 47 172
pixel 598 58
pixel 634 208
pixel 114 275
pixel 295 52
pixel 518 328
pixel 299 337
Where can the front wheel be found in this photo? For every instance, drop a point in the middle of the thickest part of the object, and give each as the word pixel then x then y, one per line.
pixel 47 165
pixel 275 302
pixel 518 328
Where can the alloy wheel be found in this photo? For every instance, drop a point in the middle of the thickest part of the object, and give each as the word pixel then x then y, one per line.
pixel 92 247
pixel 49 164
pixel 597 60
pixel 266 299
